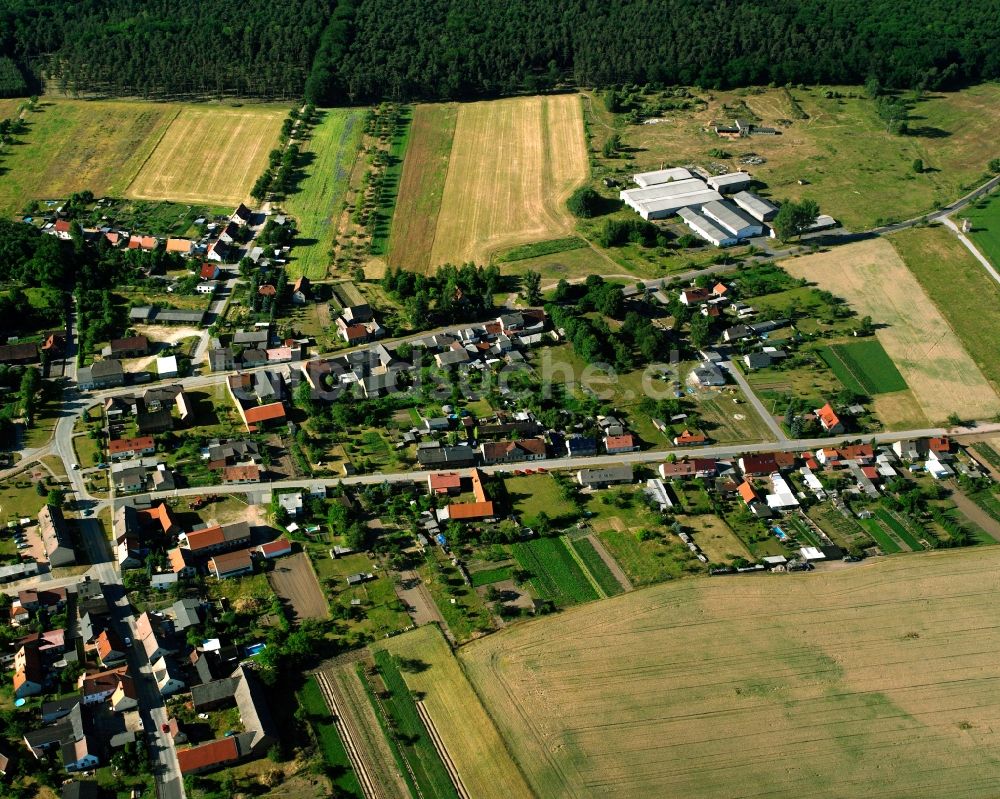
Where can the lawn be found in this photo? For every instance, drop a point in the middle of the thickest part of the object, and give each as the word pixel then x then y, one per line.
pixel 555 575
pixel 18 498
pixel 319 200
pixel 341 772
pixel 538 249
pixel 462 608
pixel 662 557
pixel 841 156
pixel 963 292
pixel 383 614
pixel 985 218
pixel 568 264
pixel 73 145
pixel 410 736
pixel 876 676
pixel 210 155
pixel 864 366
pixel 538 493
pixel 488 576
pixel 598 569
pixel 88 454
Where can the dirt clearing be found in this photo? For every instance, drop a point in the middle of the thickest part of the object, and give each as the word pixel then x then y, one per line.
pixel 209 156
pixel 873 279
pixel 294 580
pixel 879 678
pixel 513 164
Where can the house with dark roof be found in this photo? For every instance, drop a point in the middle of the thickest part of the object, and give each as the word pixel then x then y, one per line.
pixel 54 531
pixel 231 564
pixel 18 354
pixel 528 449
pixel 187 613
pixel 603 477
pixel 132 347
pixel 102 374
pixel 446 457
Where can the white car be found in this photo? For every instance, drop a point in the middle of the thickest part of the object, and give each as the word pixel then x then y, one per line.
pixel 76 467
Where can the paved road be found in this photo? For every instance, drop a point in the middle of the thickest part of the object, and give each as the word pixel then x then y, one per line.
pixel 753 399
pixel 971 248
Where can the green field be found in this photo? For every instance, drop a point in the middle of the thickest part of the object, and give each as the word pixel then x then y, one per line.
pixel 488 576
pixel 899 529
pixel 410 736
pixel 882 538
pixel 537 493
pixel 963 292
pixel 390 184
pixel 340 770
pixel 318 203
pixel 597 567
pixel 864 366
pixel 986 227
pixel 554 573
pixel 526 251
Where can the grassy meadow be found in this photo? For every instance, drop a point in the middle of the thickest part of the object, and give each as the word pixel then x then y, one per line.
pixel 318 203
pixel 985 218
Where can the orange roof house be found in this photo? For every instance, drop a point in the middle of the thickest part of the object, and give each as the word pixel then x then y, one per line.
pixel 444 482
pixel 747 493
pixel 687 438
pixel 182 246
pixel 247 473
pixel 829 420
pixel 160 515
pixel 208 756
pixel 274 412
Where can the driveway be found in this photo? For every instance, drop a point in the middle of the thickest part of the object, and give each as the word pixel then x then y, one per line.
pixel 753 399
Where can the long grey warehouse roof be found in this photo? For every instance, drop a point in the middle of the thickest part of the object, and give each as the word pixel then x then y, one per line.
pixel 731 179
pixel 729 216
pixel 752 204
pixel 703 224
pixel 682 201
pixel 673 189
pixel 645 179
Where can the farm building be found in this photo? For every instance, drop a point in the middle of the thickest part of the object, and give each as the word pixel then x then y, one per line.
pixel 647 179
pixel 730 183
pixel 731 218
pixel 759 208
pixel 664 199
pixel 166 366
pixel 706 228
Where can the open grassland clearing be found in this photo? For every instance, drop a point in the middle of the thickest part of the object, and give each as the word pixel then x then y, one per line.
pixel 568 264
pixel 72 145
pixel 513 164
pixel 316 205
pixel 863 366
pixel 845 159
pixel 985 219
pixel 965 295
pixel 715 539
pixel 421 187
pixel 878 678
pixel 555 573
pixel 537 493
pixel 210 155
pixel 467 732
pixel 873 279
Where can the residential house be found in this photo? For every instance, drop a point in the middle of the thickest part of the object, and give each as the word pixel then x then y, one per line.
pixel 528 449
pixel 110 648
pixel 707 375
pixel 695 467
pixel 187 613
pixel 168 679
pixel 626 442
pixel 446 457
pixel 244 473
pixel 444 483
pixel 829 420
pixel 749 496
pixel 292 503
pixel 97 687
pixel 758 465
pixel 54 532
pixel 581 446
pixel 217 538
pixel 241 216
pixel 603 477
pixel 130 479
pixel 695 296
pixel 232 453
pixel 132 347
pixel 102 374
pixel 300 291
pixel 736 333
pixel 231 564
pixel 153 633
pixel 275 549
pixel 689 439
pixel 49 599
pixel 18 354
pixel 123 448
pixel 29 676
pixel 208 756
pixel 180 246
pixel 221 359
pixel 167 366
pixel 259 398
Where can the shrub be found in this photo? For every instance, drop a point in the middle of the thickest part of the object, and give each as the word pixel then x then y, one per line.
pixel 585 203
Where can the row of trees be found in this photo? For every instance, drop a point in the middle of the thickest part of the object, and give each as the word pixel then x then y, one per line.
pixel 453 294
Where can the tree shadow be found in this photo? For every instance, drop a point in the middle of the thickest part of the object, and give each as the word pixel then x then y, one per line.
pixel 928 132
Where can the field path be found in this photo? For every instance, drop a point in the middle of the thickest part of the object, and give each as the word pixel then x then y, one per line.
pixel 612 564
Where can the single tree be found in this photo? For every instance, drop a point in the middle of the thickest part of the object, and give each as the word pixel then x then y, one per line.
pixel 531 287
pixel 794 219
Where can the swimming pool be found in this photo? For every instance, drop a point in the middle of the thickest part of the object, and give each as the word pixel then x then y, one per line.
pixel 782 535
pixel 255 649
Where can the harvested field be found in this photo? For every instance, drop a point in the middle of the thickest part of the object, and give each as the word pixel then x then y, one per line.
pixel 965 294
pixel 72 145
pixel 513 164
pixel 467 732
pixel 877 679
pixel 294 580
pixel 900 410
pixel 943 377
pixel 425 169
pixel 209 156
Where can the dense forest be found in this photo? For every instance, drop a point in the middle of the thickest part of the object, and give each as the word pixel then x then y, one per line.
pixel 358 50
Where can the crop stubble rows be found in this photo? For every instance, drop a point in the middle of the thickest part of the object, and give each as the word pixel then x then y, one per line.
pixel 881 677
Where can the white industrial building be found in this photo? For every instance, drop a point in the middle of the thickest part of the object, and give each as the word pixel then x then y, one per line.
pixel 665 199
pixel 646 179
pixel 729 183
pixel 706 228
pixel 759 208
pixel 731 218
